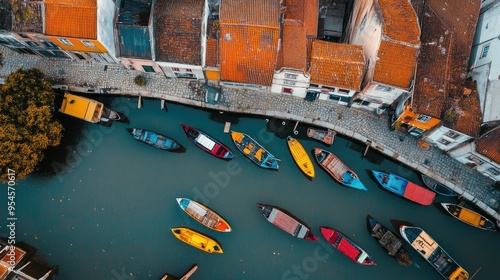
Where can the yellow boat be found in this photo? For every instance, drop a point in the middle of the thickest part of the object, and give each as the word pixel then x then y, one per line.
pixel 300 156
pixel 197 240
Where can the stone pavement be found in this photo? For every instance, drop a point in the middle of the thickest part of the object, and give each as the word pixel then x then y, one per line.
pixel 359 125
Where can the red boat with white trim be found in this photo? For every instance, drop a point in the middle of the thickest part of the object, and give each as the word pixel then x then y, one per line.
pixel 346 246
pixel 207 143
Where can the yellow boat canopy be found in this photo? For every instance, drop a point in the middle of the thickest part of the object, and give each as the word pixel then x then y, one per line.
pixel 82 108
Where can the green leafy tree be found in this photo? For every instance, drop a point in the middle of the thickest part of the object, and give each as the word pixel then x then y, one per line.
pixel 27 128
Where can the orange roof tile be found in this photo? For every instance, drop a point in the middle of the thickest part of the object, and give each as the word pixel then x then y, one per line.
pixel 488 144
pixel 338 65
pixel 248 42
pixel 211 55
pixel 399 21
pixel 396 64
pixel 71 18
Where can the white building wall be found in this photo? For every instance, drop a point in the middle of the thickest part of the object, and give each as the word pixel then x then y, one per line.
pixel 467 155
pixel 177 70
pixel 377 95
pixel 446 139
pixel 485 61
pixel 290 81
pixel 105 25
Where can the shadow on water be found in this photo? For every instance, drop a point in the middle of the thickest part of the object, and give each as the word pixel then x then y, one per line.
pixel 223 117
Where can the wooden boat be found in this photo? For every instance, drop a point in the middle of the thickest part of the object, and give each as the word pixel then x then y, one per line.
pixel 325 136
pixel 337 169
pixel 203 215
pixel 436 186
pixel 346 246
pixel 185 276
pixel 156 140
pixel 87 109
pixel 300 156
pixel 207 143
pixel 254 151
pixel 468 216
pixel 434 254
pixel 404 188
pixel 286 221
pixel 388 241
pixel 197 240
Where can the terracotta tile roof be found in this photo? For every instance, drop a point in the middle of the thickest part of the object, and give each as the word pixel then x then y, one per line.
pixel 212 51
pixel 338 65
pixel 35 22
pixel 399 21
pixel 488 144
pixel 248 42
pixel 177 28
pixel 447 36
pixel 398 49
pixel 300 21
pixel 71 18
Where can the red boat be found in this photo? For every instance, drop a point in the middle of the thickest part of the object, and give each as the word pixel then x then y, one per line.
pixel 286 222
pixel 346 246
pixel 207 143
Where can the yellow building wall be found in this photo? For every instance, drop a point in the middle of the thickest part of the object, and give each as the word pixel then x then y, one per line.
pixel 410 117
pixel 77 44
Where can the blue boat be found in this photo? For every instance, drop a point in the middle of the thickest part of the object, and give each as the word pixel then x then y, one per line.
pixel 404 188
pixel 254 151
pixel 337 169
pixel 436 186
pixel 156 140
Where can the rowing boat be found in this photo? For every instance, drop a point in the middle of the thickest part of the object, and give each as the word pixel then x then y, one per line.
pixel 300 156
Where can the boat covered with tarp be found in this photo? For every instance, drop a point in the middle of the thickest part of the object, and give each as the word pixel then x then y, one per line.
pixel 404 188
pixel 286 222
pixel 207 143
pixel 469 216
pixel 346 246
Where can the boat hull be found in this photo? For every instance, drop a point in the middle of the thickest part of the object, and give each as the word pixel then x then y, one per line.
pixel 436 186
pixel 254 151
pixel 346 246
pixel 388 241
pixel 286 222
pixel 404 188
pixel 469 217
pixel 203 215
pixel 300 156
pixel 197 240
pixel 325 136
pixel 434 254
pixel 337 169
pixel 156 140
pixel 207 143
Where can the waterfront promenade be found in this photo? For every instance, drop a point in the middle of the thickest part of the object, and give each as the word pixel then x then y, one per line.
pixel 356 124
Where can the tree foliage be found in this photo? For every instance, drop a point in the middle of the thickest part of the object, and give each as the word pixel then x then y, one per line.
pixel 27 128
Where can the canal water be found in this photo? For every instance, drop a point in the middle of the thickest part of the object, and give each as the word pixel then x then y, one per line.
pixel 103 204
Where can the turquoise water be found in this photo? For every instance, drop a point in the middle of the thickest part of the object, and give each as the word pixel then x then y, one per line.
pixel 107 212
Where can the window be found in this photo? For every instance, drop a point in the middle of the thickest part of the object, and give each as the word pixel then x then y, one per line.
pixel 475 159
pixel 189 70
pixel 175 69
pixel 288 82
pixel 148 68
pixel 49 45
pixel 494 171
pixel 65 41
pixel 32 44
pixel 345 91
pixel 88 44
pixel 290 76
pixel 444 142
pixel 452 134
pixel 79 56
pixel 384 88
pixel 485 50
pixel 423 118
pixel 23 35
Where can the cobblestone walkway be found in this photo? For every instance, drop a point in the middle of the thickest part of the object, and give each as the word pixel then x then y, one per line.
pixel 356 124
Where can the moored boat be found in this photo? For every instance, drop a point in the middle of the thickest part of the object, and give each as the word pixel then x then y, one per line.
pixel 286 222
pixel 322 135
pixel 197 240
pixel 388 241
pixel 346 246
pixel 436 186
pixel 300 156
pixel 185 276
pixel 404 188
pixel 254 151
pixel 156 140
pixel 88 109
pixel 207 143
pixel 468 216
pixel 337 169
pixel 204 215
pixel 434 254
